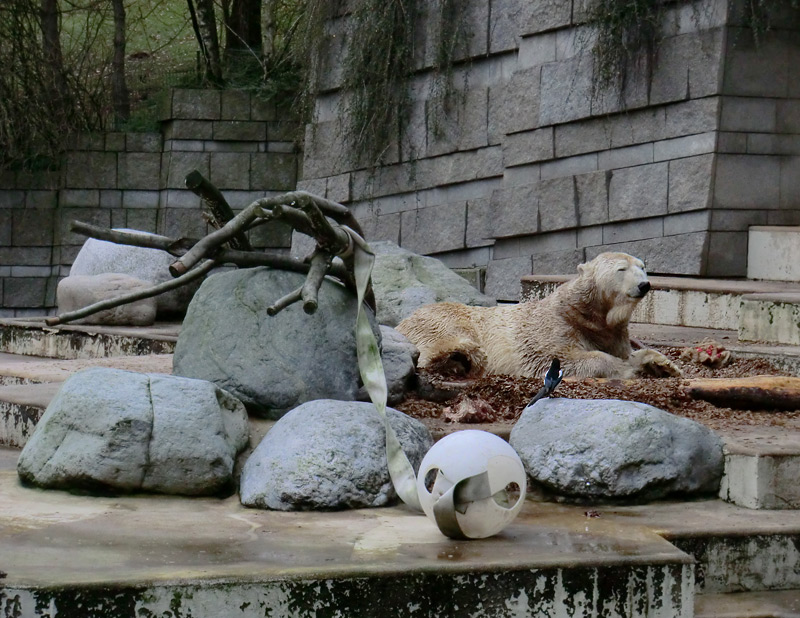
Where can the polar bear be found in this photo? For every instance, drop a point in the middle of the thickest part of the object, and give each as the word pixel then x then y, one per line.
pixel 584 323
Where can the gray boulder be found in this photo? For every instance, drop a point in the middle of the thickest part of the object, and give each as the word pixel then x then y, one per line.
pixel 327 455
pixel 78 291
pixel 152 265
pixel 114 430
pixel 610 449
pixel 399 357
pixel 404 281
pixel 272 364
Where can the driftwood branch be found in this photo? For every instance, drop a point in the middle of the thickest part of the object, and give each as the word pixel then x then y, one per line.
pixel 155 290
pixel 312 215
pixel 218 207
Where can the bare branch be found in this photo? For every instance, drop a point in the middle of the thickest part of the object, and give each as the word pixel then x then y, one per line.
pixel 220 210
pixel 320 261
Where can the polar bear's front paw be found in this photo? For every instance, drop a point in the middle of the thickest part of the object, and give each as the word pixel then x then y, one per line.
pixel 655 364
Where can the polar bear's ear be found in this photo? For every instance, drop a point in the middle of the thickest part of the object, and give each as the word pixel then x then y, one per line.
pixel 582 268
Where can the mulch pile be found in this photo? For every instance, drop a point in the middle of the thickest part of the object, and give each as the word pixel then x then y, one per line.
pixel 502 398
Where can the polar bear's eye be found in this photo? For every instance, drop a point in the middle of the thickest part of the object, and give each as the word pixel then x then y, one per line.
pixel 622 268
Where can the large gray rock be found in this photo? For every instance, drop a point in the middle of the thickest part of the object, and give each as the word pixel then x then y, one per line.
pixel 109 429
pixel 399 357
pixel 328 455
pixel 610 449
pixel 272 364
pixel 79 291
pixel 152 265
pixel 404 281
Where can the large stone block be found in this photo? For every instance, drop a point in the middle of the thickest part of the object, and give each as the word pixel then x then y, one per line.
pixel 790 183
pixel 79 291
pixel 557 204
pixel 556 262
pixel 180 222
pixel 95 216
pixel 515 211
pixel 640 191
pixel 614 233
pixel 690 183
pixel 566 90
pixel 727 254
pixel 5 227
pixel 143 142
pixel 460 123
pixel 179 164
pixel 687 146
pixel 230 170
pixel 736 220
pixel 574 138
pixel 506 23
pixel 479 222
pixel 688 117
pixel 625 157
pixel 139 170
pixel 188 130
pixel 198 104
pixel 514 105
pixel 748 114
pixel 436 229
pixel 528 147
pixel 239 130
pixel 33 228
pixel 91 170
pixel 504 277
pixel 235 104
pixel 757 68
pixel 686 223
pixel 273 171
pixel 747 181
pixel 591 198
pixel 24 291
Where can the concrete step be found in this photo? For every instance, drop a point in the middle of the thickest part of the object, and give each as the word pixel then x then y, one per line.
pixel 773 252
pixel 32 337
pixel 757 310
pixel 165 555
pixel 774 604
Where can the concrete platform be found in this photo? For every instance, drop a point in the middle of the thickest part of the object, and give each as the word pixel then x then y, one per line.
pixel 143 555
pixel 32 337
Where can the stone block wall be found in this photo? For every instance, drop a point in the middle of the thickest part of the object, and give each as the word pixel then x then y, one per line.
pixel 136 180
pixel 537 169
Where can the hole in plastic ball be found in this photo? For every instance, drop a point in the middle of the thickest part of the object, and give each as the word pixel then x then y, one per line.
pixel 430 478
pixel 508 496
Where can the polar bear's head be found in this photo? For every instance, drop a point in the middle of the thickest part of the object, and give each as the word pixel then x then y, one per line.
pixel 619 280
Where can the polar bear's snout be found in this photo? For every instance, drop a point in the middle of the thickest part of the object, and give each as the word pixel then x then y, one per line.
pixel 644 288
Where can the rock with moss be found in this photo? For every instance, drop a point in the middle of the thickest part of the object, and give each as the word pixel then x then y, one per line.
pixel 326 455
pixel 121 431
pixel 605 449
pixel 271 363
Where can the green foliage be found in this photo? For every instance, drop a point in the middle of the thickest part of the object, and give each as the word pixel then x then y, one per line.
pixel 627 36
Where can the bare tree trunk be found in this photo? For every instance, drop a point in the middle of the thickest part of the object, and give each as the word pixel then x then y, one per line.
pixel 268 29
pixel 121 96
pixel 243 27
pixel 204 21
pixel 51 45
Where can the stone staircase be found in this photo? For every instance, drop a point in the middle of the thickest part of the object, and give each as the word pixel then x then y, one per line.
pixel 732 558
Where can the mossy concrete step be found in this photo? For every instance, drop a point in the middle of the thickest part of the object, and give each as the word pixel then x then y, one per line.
pixel 774 604
pixel 148 556
pixel 770 317
pixel 32 337
pixel 681 301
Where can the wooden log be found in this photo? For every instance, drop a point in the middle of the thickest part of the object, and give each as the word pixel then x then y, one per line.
pixel 219 210
pixel 755 393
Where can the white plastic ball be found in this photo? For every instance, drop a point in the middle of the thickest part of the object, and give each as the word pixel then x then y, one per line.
pixel 486 503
